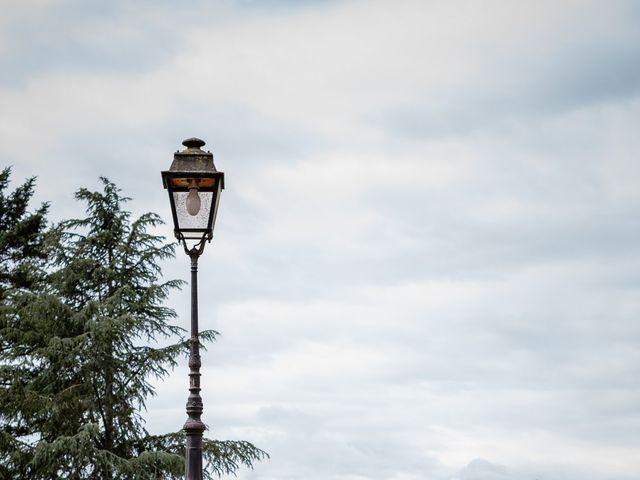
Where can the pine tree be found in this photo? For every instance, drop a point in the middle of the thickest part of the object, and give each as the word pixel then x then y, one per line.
pixel 21 236
pixel 22 261
pixel 79 355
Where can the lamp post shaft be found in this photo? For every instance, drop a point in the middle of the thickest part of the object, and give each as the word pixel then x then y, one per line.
pixel 194 427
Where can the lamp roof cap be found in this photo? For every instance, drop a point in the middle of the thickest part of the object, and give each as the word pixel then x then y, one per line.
pixel 193 143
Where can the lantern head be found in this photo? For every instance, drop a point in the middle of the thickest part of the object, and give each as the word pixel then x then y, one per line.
pixel 194 187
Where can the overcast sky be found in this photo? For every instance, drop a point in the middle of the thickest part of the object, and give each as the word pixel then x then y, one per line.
pixel 426 264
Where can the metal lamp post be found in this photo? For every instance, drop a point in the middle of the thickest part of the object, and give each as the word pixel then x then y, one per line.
pixel 194 187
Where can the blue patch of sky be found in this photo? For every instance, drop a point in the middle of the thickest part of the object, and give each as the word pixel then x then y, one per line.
pixel 65 37
pixel 582 68
pixel 591 74
pixel 283 4
pixel 61 38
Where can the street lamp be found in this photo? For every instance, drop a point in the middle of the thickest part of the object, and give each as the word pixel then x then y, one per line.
pixel 194 187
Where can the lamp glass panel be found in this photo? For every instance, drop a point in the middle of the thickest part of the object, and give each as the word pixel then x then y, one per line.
pixel 185 219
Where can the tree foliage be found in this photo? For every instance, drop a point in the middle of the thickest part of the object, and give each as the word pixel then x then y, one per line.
pixel 79 330
pixel 21 237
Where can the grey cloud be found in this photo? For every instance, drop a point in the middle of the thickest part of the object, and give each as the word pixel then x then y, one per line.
pixel 480 469
pixel 81 37
pixel 586 64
